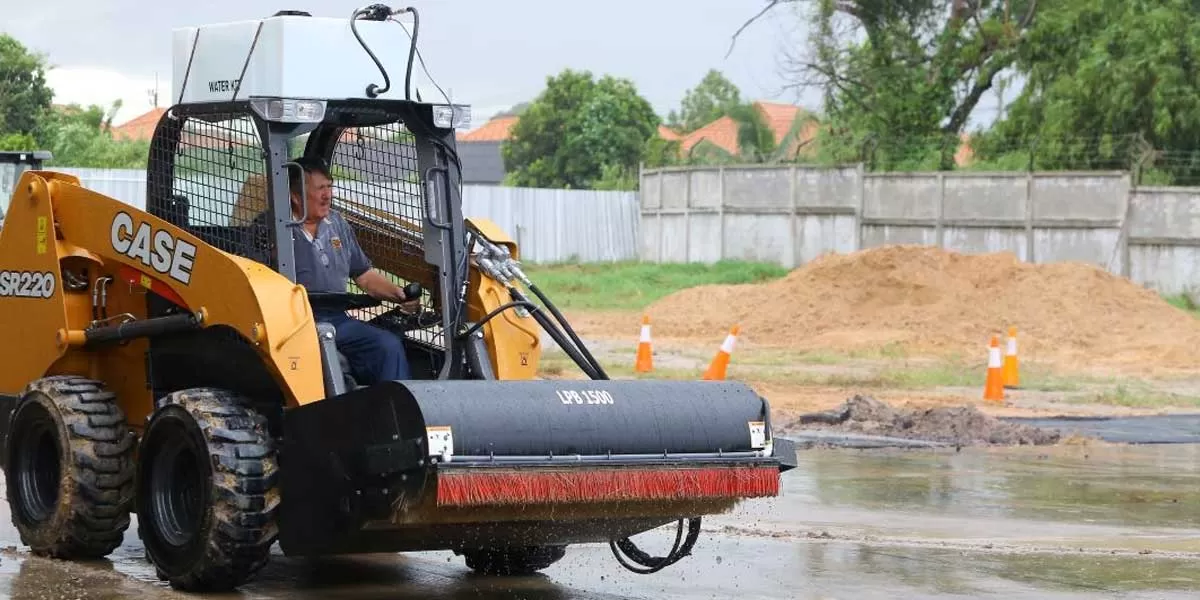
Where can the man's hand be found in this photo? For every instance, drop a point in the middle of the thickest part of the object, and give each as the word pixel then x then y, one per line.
pixel 377 286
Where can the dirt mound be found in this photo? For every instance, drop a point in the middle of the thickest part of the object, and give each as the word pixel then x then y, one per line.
pixel 960 425
pixel 929 301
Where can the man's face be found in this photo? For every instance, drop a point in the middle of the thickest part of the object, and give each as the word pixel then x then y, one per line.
pixel 320 195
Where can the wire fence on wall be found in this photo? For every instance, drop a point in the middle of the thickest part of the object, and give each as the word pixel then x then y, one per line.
pixel 548 225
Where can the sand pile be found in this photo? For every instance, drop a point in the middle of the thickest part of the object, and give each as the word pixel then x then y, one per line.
pixel 962 426
pixel 929 301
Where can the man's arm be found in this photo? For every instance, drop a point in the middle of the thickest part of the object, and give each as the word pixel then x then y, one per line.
pixel 374 283
pixel 366 277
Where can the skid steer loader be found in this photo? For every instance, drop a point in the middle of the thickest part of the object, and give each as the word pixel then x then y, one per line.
pixel 164 363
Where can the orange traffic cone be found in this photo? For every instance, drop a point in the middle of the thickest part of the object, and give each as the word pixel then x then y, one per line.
pixel 645 354
pixel 1012 374
pixel 993 389
pixel 716 369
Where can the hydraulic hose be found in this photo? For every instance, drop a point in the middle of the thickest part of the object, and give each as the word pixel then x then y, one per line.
pixel 556 334
pixel 652 564
pixel 412 52
pixel 491 315
pixel 570 331
pixel 374 12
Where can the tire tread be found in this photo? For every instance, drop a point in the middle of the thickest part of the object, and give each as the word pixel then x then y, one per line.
pixel 245 500
pixel 101 463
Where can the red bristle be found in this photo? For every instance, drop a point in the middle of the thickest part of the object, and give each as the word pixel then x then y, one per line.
pixel 477 487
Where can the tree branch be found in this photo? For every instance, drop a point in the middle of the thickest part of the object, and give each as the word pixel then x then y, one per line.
pixel 849 7
pixel 766 9
pixel 982 84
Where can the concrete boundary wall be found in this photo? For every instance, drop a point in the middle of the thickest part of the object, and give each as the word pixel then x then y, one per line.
pixel 791 214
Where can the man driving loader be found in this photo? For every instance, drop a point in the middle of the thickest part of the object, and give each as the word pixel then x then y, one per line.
pixel 327 256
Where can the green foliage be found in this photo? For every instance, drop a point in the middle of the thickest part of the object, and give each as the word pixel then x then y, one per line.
pixel 714 97
pixel 75 136
pixel 17 142
pixel 633 285
pixel 580 132
pixel 661 153
pixel 756 141
pixel 82 137
pixel 515 110
pixel 25 97
pixel 1106 80
pixel 901 78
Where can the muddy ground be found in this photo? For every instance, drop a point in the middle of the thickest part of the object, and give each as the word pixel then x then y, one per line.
pixel 1006 511
pixel 798 382
pixel 1057 522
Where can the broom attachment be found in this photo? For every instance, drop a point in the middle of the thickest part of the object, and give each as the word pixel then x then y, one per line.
pixel 479 487
pixel 483 487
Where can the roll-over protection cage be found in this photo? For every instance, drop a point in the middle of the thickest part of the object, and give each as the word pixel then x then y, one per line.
pixel 220 171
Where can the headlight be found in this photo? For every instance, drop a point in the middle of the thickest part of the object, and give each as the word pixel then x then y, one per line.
pixel 452 116
pixel 289 110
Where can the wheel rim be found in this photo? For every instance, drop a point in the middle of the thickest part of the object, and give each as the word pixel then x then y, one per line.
pixel 178 506
pixel 38 464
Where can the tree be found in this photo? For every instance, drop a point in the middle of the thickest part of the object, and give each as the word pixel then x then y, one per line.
pixel 75 136
pixel 714 97
pixel 904 75
pixel 1102 77
pixel 515 110
pixel 24 96
pixel 82 137
pixel 580 133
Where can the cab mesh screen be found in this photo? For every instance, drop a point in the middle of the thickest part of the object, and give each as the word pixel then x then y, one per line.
pixel 377 189
pixel 218 185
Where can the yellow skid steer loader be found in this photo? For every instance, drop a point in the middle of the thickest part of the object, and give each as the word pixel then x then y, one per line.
pixel 165 363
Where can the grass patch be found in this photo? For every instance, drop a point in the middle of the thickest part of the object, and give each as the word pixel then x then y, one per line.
pixel 1134 396
pixel 1183 302
pixel 804 369
pixel 941 375
pixel 634 285
pixel 558 364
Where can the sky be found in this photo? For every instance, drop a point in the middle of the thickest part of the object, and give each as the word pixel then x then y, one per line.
pixel 486 53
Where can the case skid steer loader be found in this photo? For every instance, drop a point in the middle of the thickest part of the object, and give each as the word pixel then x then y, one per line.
pixel 164 363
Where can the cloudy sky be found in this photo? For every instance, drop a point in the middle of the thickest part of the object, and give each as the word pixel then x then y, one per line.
pixel 488 53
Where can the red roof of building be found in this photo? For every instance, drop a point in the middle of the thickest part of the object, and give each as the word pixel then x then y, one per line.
pixel 495 130
pixel 668 134
pixel 723 133
pixel 139 128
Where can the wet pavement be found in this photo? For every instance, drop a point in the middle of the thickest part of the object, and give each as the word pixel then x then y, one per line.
pixel 1148 429
pixel 1063 522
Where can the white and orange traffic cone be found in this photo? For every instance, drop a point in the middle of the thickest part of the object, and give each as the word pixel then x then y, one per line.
pixel 1012 374
pixel 645 352
pixel 716 369
pixel 993 388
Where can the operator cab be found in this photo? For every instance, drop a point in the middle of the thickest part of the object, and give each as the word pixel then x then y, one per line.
pixel 220 160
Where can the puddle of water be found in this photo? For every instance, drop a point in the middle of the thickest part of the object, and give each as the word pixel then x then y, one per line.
pixel 1058 522
pixel 1037 492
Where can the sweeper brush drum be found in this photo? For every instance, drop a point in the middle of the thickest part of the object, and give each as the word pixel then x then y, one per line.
pixel 439 464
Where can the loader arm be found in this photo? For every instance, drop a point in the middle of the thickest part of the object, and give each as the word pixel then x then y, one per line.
pixel 81 265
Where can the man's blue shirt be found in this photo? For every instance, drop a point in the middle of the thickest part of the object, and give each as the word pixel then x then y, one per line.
pixel 327 261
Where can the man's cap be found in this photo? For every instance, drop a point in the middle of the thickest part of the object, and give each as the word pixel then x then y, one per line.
pixel 312 163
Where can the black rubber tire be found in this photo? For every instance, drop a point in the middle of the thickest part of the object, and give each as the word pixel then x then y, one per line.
pixel 69 468
pixel 207 495
pixel 513 561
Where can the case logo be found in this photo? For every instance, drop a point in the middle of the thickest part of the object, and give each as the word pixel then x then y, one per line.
pixel 157 249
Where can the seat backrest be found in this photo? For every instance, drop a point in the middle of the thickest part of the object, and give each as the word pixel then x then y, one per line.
pixel 251 202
